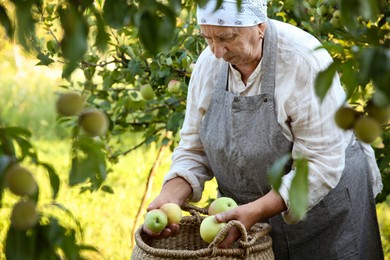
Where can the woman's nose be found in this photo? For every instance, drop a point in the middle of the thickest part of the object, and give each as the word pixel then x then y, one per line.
pixel 219 50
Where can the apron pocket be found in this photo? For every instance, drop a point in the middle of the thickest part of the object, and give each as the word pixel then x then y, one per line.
pixel 328 230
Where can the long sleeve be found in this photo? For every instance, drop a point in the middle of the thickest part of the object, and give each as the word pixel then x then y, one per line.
pixel 189 160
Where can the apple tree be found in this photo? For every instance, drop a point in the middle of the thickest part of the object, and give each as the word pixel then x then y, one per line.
pixel 127 64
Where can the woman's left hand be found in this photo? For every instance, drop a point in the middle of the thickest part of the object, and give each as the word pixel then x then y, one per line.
pixel 246 214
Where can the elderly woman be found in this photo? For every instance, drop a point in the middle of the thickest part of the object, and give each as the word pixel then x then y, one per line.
pixel 251 99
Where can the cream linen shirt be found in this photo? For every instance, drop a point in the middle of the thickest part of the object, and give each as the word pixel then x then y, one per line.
pixel 305 121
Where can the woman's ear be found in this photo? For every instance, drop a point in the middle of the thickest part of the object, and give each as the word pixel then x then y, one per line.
pixel 261 28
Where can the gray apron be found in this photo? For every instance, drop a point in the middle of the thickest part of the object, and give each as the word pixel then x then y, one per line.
pixel 242 139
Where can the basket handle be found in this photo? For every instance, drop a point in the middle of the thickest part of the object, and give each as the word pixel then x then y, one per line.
pixel 246 241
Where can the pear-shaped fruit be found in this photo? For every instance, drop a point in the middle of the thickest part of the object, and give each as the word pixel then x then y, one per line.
pixel 69 104
pixel 147 92
pixel 94 122
pixel 345 117
pixel 20 181
pixel 24 215
pixel 367 129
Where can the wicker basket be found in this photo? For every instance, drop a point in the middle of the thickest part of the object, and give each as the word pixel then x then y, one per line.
pixel 256 244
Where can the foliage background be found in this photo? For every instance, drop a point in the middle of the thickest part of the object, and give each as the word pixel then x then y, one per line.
pixel 27 99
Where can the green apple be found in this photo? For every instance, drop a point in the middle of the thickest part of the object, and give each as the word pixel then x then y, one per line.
pixel 345 117
pixel 367 129
pixel 209 228
pixel 147 92
pixel 221 204
pixel 24 215
pixel 20 181
pixel 173 212
pixel 69 104
pixel 94 122
pixel 337 15
pixel 323 10
pixel 174 86
pixel 156 220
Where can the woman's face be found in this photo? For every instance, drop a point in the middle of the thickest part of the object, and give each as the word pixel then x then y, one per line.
pixel 236 45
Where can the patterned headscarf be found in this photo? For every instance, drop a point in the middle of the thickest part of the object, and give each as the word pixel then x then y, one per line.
pixel 251 12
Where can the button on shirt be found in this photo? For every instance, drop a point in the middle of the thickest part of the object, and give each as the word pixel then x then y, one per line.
pixel 305 121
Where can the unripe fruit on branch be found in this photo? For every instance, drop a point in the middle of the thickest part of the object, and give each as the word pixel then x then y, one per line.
pixel 94 122
pixel 345 117
pixel 147 92
pixel 174 86
pixel 20 181
pixel 69 104
pixel 367 129
pixel 24 215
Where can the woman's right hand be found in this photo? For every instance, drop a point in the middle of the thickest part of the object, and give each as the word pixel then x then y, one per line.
pixel 177 191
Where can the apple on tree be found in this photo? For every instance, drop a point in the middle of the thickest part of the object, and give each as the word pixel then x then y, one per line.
pixel 20 181
pixel 94 122
pixel 221 204
pixel 174 86
pixel 69 104
pixel 156 220
pixel 209 228
pixel 173 212
pixel 24 215
pixel 147 92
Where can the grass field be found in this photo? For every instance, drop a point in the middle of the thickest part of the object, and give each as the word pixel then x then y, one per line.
pixel 27 99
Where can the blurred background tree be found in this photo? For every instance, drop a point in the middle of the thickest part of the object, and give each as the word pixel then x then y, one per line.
pixel 126 67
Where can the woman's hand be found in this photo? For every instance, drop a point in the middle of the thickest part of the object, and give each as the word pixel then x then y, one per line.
pixel 177 191
pixel 245 214
pixel 249 214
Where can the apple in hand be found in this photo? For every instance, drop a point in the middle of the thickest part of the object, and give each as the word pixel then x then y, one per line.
pixel 156 220
pixel 209 228
pixel 221 204
pixel 173 212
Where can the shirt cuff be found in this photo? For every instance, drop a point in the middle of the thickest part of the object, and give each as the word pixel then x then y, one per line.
pixel 284 191
pixel 191 179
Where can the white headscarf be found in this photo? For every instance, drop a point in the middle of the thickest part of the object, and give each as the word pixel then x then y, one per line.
pixel 251 12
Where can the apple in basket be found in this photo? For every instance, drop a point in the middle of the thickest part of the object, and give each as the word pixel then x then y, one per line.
pixel 221 204
pixel 209 228
pixel 156 220
pixel 173 212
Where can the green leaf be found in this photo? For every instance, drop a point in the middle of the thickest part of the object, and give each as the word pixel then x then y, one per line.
pixel 44 59
pixel 324 80
pixel 117 13
pixel 277 171
pixel 20 245
pixel 107 189
pixel 88 163
pixel 54 179
pixel 25 22
pixel 6 22
pixel 299 189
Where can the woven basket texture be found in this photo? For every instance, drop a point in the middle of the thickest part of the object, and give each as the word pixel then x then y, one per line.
pixel 256 244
